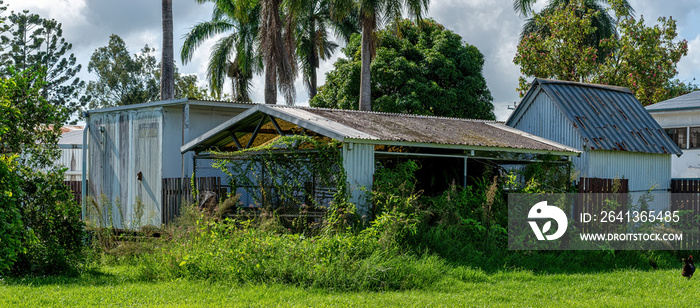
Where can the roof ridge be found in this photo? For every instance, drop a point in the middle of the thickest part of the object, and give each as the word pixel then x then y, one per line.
pixel 584 84
pixel 385 113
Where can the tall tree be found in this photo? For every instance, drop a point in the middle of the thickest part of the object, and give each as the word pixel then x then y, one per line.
pixel 277 48
pixel 371 14
pixel 167 76
pixel 235 55
pixel 121 78
pixel 641 58
pixel 313 37
pixel 37 44
pixel 426 70
pixel 603 23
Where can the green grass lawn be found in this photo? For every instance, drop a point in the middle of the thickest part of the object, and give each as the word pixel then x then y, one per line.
pixel 114 286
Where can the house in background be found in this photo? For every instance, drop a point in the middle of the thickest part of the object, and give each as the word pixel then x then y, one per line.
pixel 133 152
pixel 617 136
pixel 71 146
pixel 680 119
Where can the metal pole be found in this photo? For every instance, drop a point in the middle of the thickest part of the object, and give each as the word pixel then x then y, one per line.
pixel 83 182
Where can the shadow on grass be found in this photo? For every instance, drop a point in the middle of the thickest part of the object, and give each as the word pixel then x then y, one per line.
pixel 90 277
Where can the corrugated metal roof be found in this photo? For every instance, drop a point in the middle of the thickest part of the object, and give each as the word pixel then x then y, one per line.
pixel 175 102
pixel 72 137
pixel 688 101
pixel 607 117
pixel 384 128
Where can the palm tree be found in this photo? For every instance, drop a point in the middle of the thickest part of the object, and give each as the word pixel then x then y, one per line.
pixel 239 20
pixel 603 22
pixel 371 14
pixel 277 46
pixel 313 42
pixel 167 76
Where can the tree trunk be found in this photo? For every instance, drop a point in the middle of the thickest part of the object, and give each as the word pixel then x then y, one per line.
pixel 270 84
pixel 365 86
pixel 167 69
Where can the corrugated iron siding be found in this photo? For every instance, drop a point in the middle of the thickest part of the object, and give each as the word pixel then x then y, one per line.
pixel 608 119
pixel 543 118
pixel 644 171
pixel 358 162
pixel 73 160
pixel 121 144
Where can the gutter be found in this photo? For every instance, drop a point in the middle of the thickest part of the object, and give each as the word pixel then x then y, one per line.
pixel 83 182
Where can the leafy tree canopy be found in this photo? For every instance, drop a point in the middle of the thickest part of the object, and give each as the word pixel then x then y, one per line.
pixel 420 68
pixel 123 79
pixel 34 43
pixel 41 230
pixel 640 58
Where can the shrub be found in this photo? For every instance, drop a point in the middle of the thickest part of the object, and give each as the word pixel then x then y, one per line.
pixel 11 226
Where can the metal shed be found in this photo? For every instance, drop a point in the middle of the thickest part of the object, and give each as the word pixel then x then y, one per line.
pixel 132 150
pixel 617 136
pixel 366 135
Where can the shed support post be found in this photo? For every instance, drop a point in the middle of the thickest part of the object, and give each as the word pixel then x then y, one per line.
pixel 185 135
pixel 465 172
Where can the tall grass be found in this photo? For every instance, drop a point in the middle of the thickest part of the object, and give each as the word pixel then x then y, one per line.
pixel 414 242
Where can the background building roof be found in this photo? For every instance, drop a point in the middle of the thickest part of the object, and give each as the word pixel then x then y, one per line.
pixel 683 102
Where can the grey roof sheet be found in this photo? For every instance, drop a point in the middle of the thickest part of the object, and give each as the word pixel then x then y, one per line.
pixel 688 101
pixel 608 117
pixel 72 137
pixel 388 127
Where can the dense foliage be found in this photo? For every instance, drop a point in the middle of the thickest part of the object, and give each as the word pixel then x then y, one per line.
pixel 420 68
pixel 638 57
pixel 34 200
pixel 123 79
pixel 34 43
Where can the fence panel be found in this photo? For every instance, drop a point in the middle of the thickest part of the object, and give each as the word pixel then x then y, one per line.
pixel 77 188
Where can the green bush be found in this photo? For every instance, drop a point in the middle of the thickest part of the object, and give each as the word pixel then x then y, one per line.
pixel 11 226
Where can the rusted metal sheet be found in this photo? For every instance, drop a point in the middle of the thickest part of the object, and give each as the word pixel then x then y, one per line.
pixel 379 128
pixel 606 117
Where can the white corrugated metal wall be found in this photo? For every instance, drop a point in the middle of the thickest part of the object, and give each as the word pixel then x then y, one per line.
pixel 543 118
pixel 643 170
pixel 120 145
pixel 358 162
pixel 72 158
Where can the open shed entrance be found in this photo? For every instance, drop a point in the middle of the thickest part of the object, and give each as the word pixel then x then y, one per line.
pixel 263 142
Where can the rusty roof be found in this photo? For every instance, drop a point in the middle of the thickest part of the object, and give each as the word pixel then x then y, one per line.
pixel 606 117
pixel 385 128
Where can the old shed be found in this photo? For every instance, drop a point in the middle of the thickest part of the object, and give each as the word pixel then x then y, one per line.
pixel 133 152
pixel 617 136
pixel 367 137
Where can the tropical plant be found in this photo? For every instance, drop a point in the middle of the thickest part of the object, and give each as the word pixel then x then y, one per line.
pixel 427 70
pixel 603 23
pixel 277 46
pixel 371 14
pixel 239 20
pixel 640 58
pixel 314 22
pixel 167 69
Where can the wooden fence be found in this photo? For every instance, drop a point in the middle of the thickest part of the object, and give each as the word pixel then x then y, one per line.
pixel 177 191
pixel 597 185
pixel 77 188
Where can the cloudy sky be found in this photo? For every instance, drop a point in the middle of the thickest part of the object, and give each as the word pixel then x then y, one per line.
pixel 490 25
